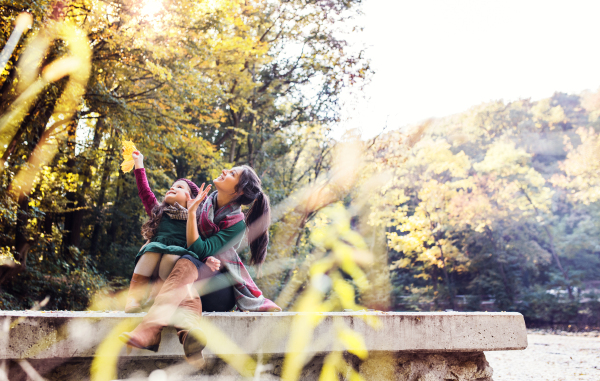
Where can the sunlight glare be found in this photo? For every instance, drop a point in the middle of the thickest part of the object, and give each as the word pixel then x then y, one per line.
pixel 151 7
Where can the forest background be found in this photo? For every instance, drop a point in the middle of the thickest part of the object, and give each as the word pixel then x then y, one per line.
pixel 495 208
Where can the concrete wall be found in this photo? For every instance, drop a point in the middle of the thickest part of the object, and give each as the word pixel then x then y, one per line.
pixel 77 334
pixel 411 346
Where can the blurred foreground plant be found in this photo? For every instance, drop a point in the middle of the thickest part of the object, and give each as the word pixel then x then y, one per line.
pixel 340 250
pixel 36 73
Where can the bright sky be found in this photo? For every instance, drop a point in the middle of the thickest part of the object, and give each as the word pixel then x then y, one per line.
pixel 436 58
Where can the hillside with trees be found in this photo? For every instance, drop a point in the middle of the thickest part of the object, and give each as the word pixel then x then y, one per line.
pixel 497 207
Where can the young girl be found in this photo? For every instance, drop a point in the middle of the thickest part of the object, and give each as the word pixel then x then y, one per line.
pixel 165 232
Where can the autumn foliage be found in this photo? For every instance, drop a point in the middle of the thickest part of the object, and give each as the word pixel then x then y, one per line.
pixel 493 208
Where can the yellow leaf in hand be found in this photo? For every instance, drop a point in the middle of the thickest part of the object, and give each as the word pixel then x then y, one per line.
pixel 128 149
pixel 127 165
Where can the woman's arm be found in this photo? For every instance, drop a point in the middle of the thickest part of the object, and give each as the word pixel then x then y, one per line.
pixel 219 242
pixel 144 191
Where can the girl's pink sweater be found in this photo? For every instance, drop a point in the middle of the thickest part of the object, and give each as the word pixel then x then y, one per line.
pixel 148 198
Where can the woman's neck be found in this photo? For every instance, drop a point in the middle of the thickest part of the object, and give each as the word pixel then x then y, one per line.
pixel 223 199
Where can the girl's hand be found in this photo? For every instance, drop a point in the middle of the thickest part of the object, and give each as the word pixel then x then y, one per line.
pixel 213 263
pixel 194 203
pixel 138 159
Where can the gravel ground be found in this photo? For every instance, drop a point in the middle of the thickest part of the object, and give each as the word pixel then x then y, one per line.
pixel 549 357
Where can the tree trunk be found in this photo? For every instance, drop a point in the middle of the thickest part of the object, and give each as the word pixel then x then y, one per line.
pixel 505 281
pixel 71 230
pixel 446 276
pixel 33 126
pixel 6 95
pixel 99 216
pixel 22 242
pixel 74 218
pixel 552 250
pixel 233 147
pixel 434 276
pixel 250 142
pixel 500 262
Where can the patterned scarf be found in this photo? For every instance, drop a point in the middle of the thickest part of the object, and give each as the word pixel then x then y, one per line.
pixel 248 296
pixel 176 212
pixel 209 222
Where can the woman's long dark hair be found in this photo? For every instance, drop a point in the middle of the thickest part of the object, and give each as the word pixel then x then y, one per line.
pixel 258 217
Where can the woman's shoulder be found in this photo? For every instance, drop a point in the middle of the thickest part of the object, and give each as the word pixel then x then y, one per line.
pixel 235 229
pixel 238 226
pixel 233 220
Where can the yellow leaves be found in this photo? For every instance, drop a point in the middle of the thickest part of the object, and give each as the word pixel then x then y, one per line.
pixel 504 159
pixel 402 263
pixel 544 111
pixel 128 149
pixel 159 71
pixel 75 64
pixel 353 342
pixel 334 363
pixel 437 157
pixel 582 169
pixel 328 290
pixel 104 365
pixel 344 292
pixel 127 166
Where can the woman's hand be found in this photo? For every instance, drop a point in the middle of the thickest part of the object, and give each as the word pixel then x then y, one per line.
pixel 213 263
pixel 194 203
pixel 138 159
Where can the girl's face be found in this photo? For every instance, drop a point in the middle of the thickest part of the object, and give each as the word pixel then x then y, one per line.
pixel 178 194
pixel 228 180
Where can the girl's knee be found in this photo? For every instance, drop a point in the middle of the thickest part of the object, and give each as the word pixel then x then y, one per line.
pixel 166 265
pixel 147 263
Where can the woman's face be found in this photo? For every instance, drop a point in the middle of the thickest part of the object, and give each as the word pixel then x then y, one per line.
pixel 178 194
pixel 228 180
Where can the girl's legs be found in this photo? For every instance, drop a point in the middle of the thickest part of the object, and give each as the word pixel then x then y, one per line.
pixel 147 264
pixel 167 262
pixel 139 281
pixel 179 304
pixel 176 290
pixel 216 295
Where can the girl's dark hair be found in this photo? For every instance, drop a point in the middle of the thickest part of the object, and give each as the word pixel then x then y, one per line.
pixel 150 227
pixel 258 217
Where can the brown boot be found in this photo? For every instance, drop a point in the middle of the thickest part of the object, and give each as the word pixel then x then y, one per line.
pixel 137 290
pixel 154 291
pixel 190 335
pixel 194 342
pixel 173 292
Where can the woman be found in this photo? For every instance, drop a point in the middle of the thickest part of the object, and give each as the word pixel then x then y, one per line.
pixel 215 228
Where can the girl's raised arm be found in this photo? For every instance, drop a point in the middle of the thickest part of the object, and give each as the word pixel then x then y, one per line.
pixel 144 191
pixel 192 233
